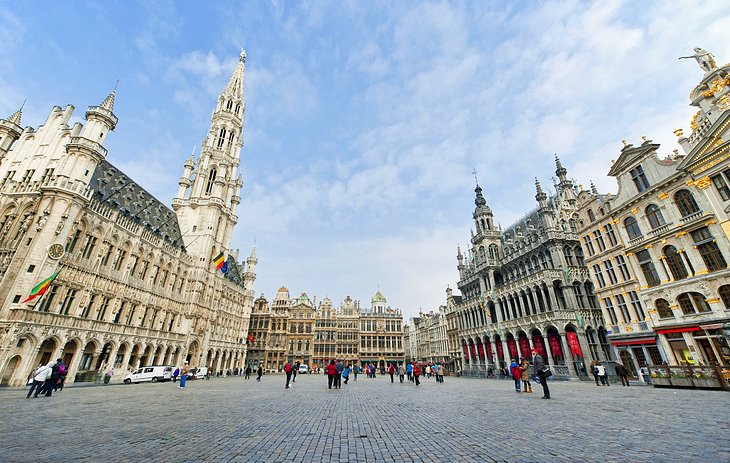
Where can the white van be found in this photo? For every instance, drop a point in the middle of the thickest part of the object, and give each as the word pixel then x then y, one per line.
pixel 198 373
pixel 152 373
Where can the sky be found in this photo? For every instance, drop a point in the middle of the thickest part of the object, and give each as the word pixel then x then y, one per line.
pixel 365 120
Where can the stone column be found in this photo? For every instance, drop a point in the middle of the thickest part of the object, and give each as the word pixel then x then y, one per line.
pixel 552 298
pixel 548 349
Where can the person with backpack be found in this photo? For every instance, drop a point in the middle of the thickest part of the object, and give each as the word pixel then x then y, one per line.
pixel 287 370
pixel 346 373
pixel 331 371
pixel 339 367
pixel 62 370
pixel 516 373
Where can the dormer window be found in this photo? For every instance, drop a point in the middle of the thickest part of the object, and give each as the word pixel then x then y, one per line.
pixel 639 178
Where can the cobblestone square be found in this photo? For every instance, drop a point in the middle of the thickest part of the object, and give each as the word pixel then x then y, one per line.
pixel 462 420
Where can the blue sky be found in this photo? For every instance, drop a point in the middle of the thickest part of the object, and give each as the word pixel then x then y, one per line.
pixel 364 120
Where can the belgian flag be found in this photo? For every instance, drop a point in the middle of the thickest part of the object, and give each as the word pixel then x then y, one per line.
pixel 219 261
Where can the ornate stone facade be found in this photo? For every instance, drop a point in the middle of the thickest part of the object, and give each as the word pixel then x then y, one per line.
pixel 659 248
pixel 293 330
pixel 136 284
pixel 524 287
pixel 427 339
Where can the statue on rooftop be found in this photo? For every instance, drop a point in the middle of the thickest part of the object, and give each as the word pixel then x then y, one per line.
pixel 704 58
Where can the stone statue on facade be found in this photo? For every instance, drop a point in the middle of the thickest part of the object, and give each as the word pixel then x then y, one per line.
pixel 704 58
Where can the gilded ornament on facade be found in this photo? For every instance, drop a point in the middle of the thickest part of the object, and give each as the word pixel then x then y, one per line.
pixel 703 183
pixel 723 102
pixel 663 195
pixel 693 122
pixel 635 210
pixel 679 133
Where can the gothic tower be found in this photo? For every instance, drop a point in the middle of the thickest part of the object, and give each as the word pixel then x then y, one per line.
pixel 210 188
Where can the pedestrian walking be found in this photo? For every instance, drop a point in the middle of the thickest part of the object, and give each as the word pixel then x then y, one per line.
pixel 401 372
pixel 416 374
pixel 39 378
pixel 594 371
pixel 409 370
pixel 62 370
pixel 339 368
pixel 435 368
pixel 645 374
pixel 184 375
pixel 602 374
pixel 355 371
pixel 247 372
pixel 331 370
pixel 175 374
pixel 295 370
pixel 622 373
pixel 259 372
pixel 287 370
pixel 516 373
pixel 525 369
pixel 346 373
pixel 539 364
pixel 428 371
pixel 391 372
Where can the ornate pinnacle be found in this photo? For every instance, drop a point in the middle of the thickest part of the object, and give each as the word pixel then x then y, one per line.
pixel 594 190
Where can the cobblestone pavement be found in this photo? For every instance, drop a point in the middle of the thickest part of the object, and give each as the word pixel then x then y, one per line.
pixel 462 420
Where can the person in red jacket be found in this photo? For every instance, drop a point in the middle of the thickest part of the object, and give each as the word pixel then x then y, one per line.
pixel 416 373
pixel 391 372
pixel 331 372
pixel 287 370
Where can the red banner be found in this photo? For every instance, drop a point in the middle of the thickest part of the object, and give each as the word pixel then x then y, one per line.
pixel 473 351
pixel 500 351
pixel 539 344
pixel 466 351
pixel 489 350
pixel 480 349
pixel 554 341
pixel 525 347
pixel 512 346
pixel 573 343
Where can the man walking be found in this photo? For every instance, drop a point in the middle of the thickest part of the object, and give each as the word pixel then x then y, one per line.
pixel 401 372
pixel 416 374
pixel 39 378
pixel 287 370
pixel 391 372
pixel 259 372
pixel 409 370
pixel 622 373
pixel 247 372
pixel 538 363
pixel 339 367
pixel 183 375
pixel 62 369
pixel 295 370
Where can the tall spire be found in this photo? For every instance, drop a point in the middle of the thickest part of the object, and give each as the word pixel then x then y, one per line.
pixel 479 201
pixel 594 190
pixel 560 171
pixel 235 84
pixel 17 115
pixel 108 102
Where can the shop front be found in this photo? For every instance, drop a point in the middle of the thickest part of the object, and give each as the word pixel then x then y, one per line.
pixel 638 352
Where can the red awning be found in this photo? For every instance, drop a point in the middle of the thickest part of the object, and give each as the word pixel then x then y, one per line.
pixel 633 342
pixel 685 329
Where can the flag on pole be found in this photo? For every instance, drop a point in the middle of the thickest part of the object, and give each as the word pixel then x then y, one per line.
pixel 250 338
pixel 219 261
pixel 41 288
pixel 224 267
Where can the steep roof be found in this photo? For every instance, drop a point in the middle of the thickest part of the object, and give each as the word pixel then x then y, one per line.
pixel 115 189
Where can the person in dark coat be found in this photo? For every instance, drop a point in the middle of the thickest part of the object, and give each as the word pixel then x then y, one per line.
pixel 259 372
pixel 622 373
pixel 539 364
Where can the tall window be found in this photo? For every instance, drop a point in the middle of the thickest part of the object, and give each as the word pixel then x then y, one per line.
pixel 599 240
pixel 68 301
pixel 686 203
pixel 623 308
pixel 45 306
pixel 599 276
pixel 621 262
pixel 591 216
pixel 611 234
pixel 708 249
pixel 639 178
pixel 674 261
pixel 636 304
pixel 632 228
pixel 610 272
pixel 72 241
pixel 102 310
pixel 579 294
pixel 662 308
pixel 724 292
pixel 221 138
pixel 568 255
pixel 89 247
pixel 721 186
pixel 579 257
pixel 611 311
pixel 211 181
pixel 589 245
pixel 654 215
pixel 647 267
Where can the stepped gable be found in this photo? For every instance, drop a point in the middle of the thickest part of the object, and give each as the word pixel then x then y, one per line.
pixel 115 189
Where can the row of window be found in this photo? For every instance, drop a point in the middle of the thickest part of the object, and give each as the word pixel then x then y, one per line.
pixel 623 308
pixel 597 237
pixel 685 203
pixel 691 303
pixel 611 273
pixel 381 342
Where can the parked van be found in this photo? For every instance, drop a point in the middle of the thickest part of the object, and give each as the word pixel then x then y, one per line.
pixel 304 369
pixel 153 373
pixel 198 373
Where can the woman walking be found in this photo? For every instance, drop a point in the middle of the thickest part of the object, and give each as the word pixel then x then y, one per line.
pixel 516 373
pixel 401 373
pixel 416 373
pixel 331 372
pixel 525 369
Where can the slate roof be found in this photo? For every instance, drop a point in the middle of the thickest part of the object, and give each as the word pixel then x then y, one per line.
pixel 115 189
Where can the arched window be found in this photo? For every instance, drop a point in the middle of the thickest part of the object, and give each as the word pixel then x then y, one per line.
pixel 229 105
pixel 221 138
pixel 579 256
pixel 686 203
pixel 577 288
pixel 573 226
pixel 568 255
pixel 230 139
pixel 662 308
pixel 211 181
pixel 632 228
pixel 591 216
pixel 493 251
pixel 654 215
pixel 692 303
pixel 724 292
pixel 481 253
pixel 674 260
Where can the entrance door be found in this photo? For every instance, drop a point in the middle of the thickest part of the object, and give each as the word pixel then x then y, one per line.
pixel 9 370
pixel 628 362
pixel 708 351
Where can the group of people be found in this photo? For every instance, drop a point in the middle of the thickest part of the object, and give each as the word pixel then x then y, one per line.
pixel 48 378
pixel 520 373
